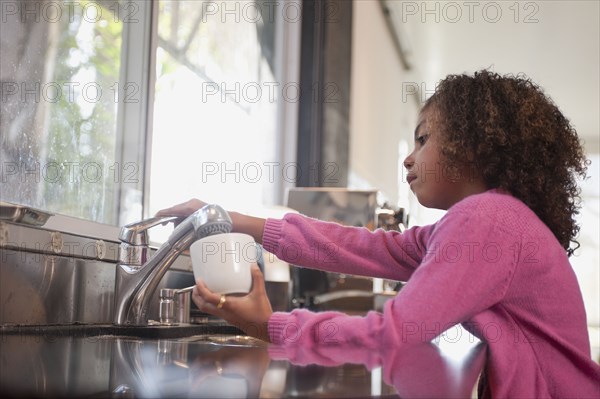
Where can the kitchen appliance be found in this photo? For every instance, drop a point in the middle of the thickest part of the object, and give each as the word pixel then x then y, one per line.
pixel 319 290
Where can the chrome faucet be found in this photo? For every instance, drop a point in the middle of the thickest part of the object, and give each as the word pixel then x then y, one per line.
pixel 137 276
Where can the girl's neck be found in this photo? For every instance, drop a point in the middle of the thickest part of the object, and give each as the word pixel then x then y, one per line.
pixel 468 189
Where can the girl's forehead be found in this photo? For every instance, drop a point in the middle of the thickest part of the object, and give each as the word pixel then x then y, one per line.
pixel 429 110
pixel 427 117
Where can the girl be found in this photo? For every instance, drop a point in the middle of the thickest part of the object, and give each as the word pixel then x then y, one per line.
pixel 499 156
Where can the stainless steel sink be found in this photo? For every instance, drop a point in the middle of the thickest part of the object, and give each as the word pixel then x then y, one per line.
pixel 61 270
pixel 57 337
pixel 111 361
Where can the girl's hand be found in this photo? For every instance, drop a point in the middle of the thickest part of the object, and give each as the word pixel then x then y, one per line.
pixel 241 223
pixel 250 313
pixel 182 210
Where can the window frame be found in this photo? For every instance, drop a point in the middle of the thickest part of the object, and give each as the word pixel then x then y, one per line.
pixel 134 127
pixel 134 119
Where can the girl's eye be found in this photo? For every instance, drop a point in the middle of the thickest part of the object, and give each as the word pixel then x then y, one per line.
pixel 422 139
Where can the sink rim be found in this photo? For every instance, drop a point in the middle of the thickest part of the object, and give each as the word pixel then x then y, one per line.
pixel 83 330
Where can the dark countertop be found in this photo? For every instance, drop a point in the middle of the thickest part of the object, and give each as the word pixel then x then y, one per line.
pixel 228 366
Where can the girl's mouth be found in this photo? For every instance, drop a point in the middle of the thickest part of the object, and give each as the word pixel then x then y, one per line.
pixel 410 178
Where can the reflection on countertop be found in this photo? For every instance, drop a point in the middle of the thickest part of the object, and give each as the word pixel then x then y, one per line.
pixel 227 366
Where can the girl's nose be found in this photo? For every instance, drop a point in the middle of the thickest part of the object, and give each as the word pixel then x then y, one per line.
pixel 408 162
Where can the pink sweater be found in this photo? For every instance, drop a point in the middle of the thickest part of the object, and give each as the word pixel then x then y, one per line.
pixel 489 264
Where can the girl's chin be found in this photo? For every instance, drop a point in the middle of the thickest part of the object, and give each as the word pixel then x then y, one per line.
pixel 426 200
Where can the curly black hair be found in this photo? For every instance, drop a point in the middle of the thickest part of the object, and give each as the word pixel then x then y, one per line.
pixel 518 141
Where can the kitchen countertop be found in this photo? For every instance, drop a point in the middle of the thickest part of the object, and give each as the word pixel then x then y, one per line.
pixel 229 366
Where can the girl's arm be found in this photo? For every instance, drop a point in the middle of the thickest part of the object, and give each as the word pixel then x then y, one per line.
pixel 248 225
pixel 328 246
pixel 332 247
pixel 448 288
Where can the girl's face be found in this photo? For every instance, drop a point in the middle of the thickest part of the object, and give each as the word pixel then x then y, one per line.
pixel 434 184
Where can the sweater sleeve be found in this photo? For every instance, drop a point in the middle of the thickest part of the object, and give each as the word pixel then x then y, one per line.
pixel 333 247
pixel 467 268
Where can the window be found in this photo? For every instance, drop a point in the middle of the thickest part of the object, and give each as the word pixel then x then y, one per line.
pixel 60 82
pixel 215 104
pixel 113 109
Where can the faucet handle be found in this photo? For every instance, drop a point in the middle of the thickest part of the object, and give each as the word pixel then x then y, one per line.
pixel 137 233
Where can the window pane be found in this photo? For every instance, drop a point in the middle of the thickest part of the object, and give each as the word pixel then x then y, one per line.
pixel 59 77
pixel 215 105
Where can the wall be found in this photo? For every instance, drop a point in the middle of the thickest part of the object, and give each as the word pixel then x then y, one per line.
pixel 380 119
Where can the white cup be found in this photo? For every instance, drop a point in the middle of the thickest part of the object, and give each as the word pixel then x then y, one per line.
pixel 223 262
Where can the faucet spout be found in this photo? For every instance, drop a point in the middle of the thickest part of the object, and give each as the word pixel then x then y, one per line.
pixel 136 278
